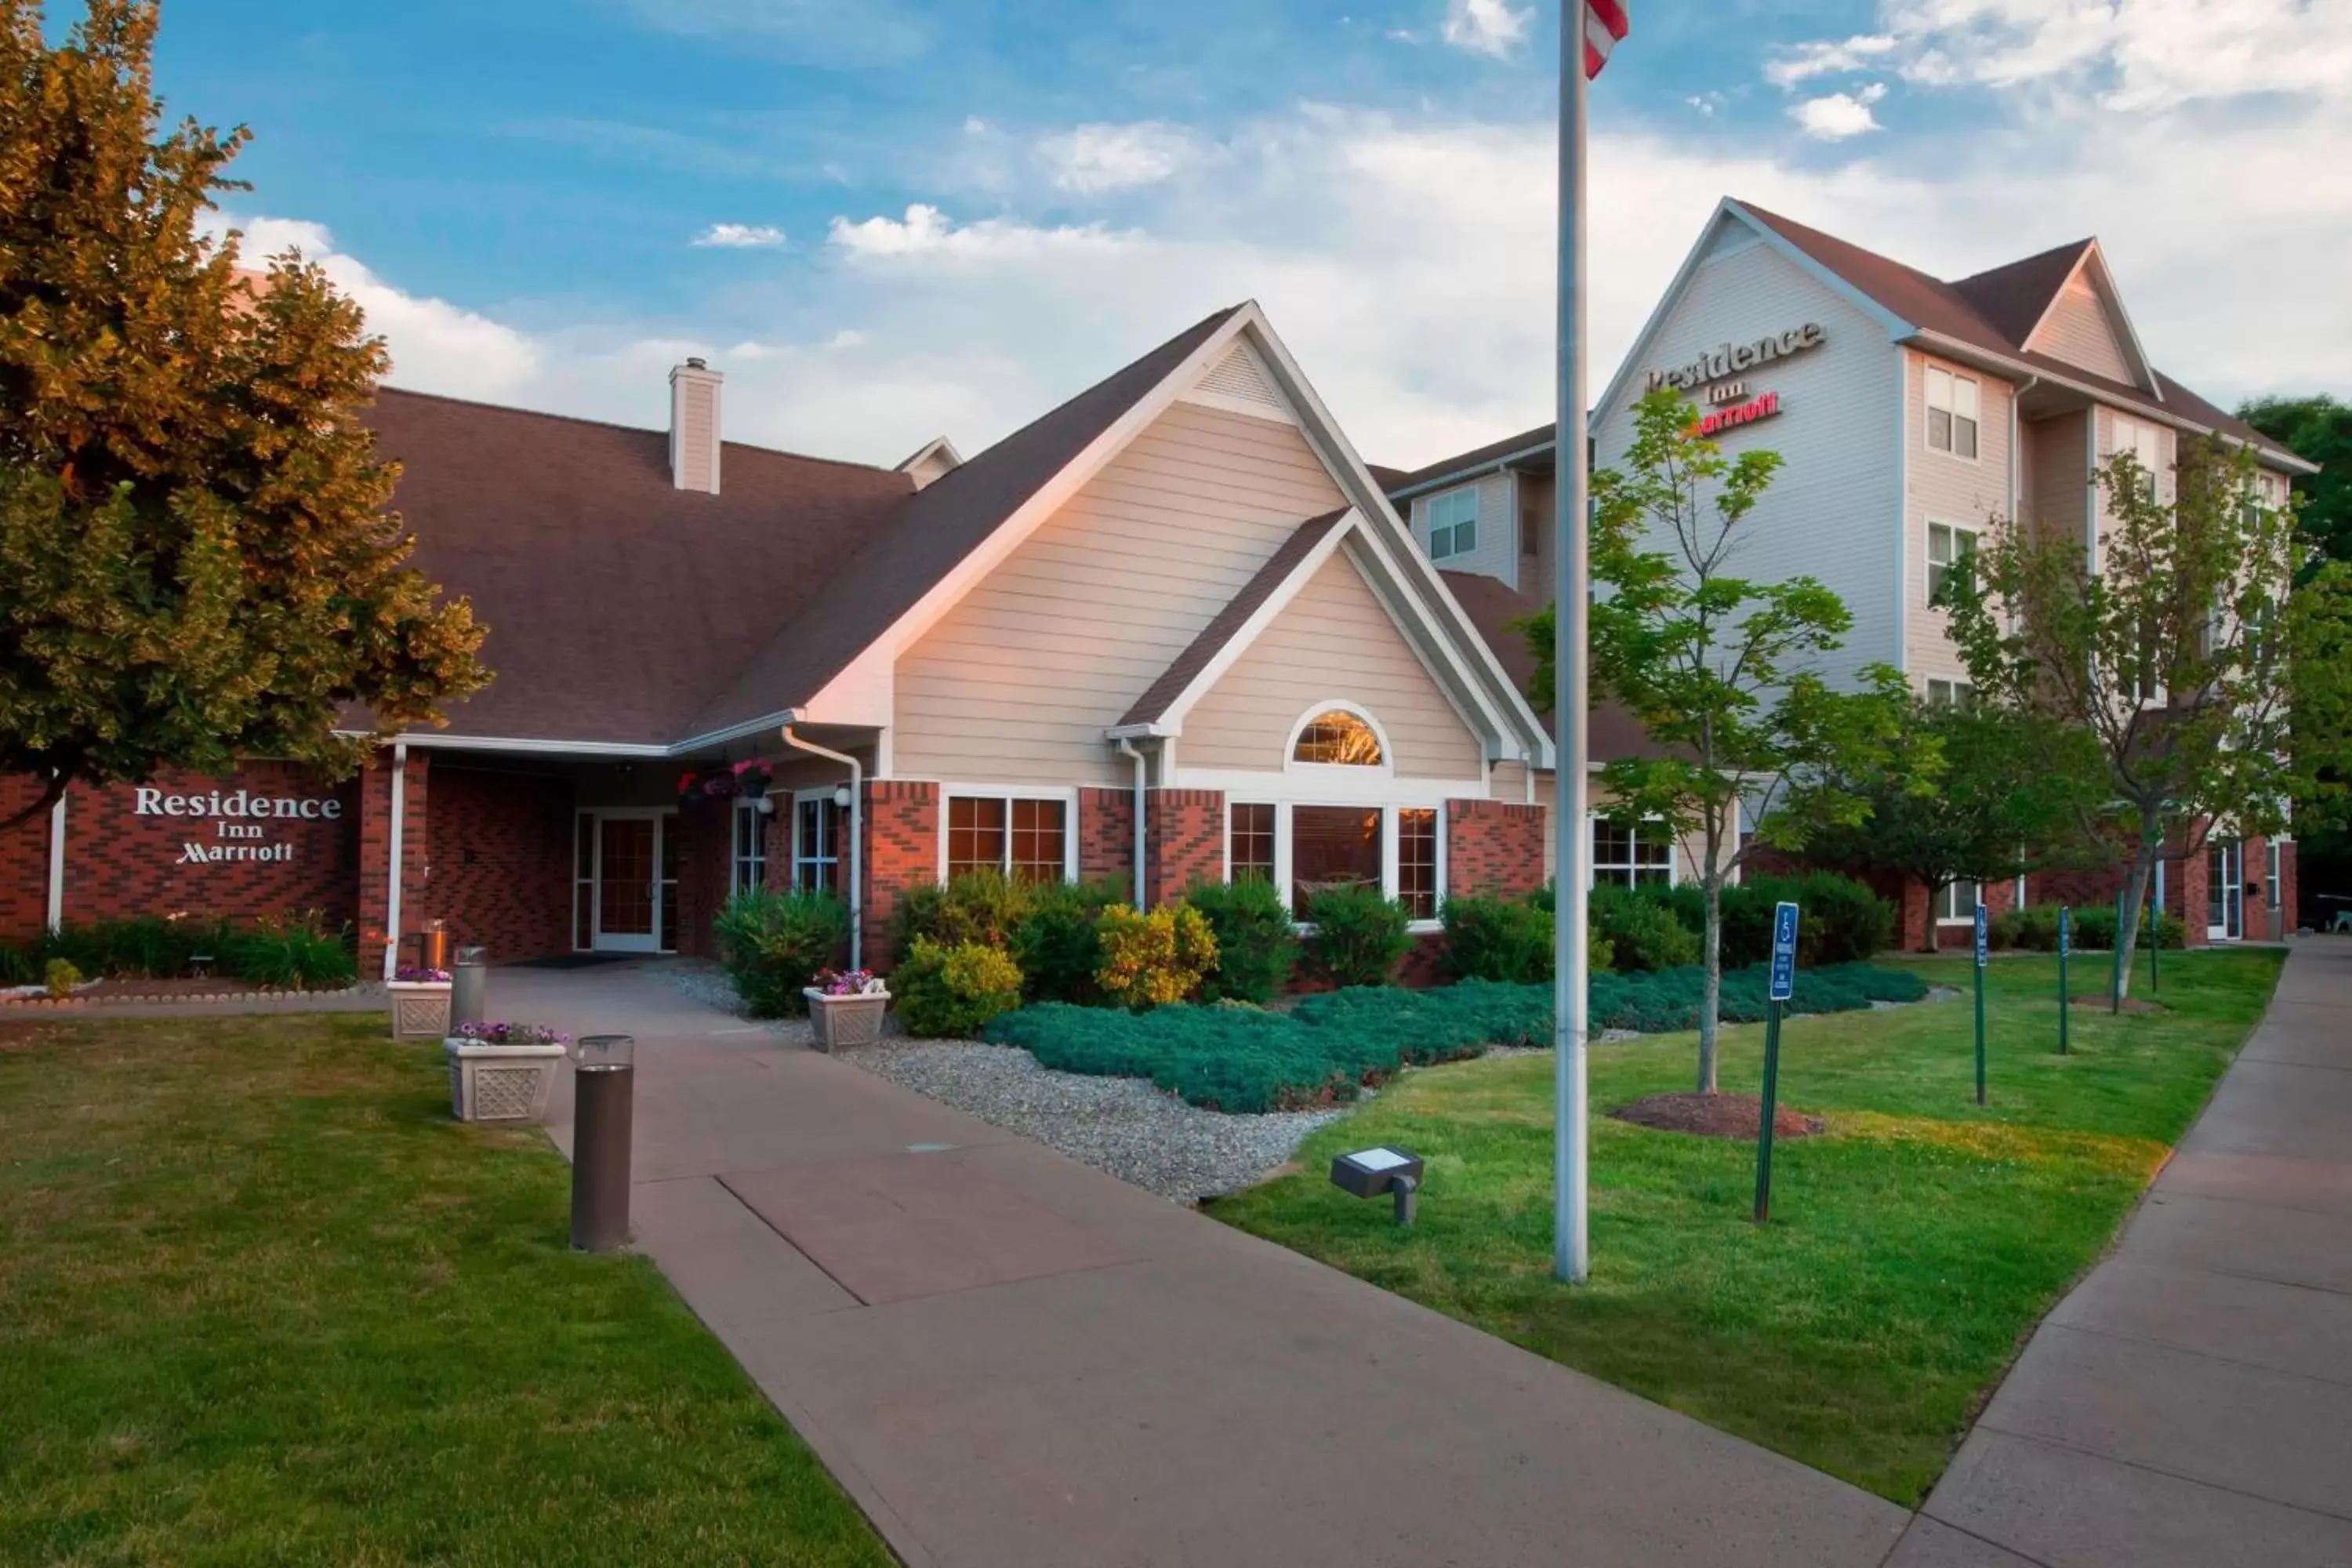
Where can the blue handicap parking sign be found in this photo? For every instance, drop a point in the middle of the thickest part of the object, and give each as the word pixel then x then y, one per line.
pixel 1784 951
pixel 2065 932
pixel 1984 936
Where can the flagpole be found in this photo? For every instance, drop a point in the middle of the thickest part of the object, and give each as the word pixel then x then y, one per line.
pixel 1570 1252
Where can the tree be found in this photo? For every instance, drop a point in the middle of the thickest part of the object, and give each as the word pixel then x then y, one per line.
pixel 1719 670
pixel 2319 428
pixel 196 563
pixel 1961 797
pixel 2169 664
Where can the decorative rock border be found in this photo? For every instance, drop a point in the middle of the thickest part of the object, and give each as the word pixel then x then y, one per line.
pixel 180 998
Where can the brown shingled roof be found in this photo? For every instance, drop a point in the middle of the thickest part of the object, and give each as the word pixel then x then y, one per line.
pixel 2014 299
pixel 1492 605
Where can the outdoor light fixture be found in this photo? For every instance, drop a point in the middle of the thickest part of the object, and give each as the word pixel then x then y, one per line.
pixel 841 797
pixel 765 805
pixel 1369 1172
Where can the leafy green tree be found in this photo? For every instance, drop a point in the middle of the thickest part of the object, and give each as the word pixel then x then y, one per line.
pixel 2182 665
pixel 2319 428
pixel 1721 671
pixel 196 563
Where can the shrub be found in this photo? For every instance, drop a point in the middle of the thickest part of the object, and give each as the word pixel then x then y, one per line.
pixel 954 993
pixel 1154 960
pixel 1844 922
pixel 1257 941
pixel 773 944
pixel 2093 928
pixel 1055 939
pixel 19 966
pixel 1507 940
pixel 1642 931
pixel 293 952
pixel 2002 929
pixel 2035 928
pixel 61 977
pixel 1360 938
pixel 979 907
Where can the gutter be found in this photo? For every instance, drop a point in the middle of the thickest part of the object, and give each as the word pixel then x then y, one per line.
pixel 57 909
pixel 856 831
pixel 1493 466
pixel 1126 749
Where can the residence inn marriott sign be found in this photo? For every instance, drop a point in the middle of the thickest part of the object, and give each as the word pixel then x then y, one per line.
pixel 239 821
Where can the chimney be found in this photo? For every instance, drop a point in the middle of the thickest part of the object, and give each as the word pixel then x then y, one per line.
pixel 694 426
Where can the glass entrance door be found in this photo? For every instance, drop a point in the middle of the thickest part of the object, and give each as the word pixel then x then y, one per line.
pixel 2225 892
pixel 635 883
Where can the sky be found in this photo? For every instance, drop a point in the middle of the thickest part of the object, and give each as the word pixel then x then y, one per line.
pixel 887 220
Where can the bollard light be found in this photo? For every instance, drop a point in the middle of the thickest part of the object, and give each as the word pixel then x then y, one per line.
pixel 604 1089
pixel 1369 1172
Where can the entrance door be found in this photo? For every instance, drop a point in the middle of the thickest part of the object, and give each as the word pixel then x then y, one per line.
pixel 2225 895
pixel 634 883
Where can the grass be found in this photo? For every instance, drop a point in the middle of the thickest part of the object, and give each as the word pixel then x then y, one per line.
pixel 264 1301
pixel 1912 1251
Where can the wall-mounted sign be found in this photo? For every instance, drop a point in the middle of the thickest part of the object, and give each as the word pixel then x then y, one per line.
pixel 237 818
pixel 1733 359
pixel 1722 419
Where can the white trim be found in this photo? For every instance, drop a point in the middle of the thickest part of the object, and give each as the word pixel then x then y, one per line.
pixel 392 871
pixel 1065 793
pixel 1391 836
pixel 1314 784
pixel 801 797
pixel 666 820
pixel 937 446
pixel 1929 368
pixel 1386 766
pixel 1223 404
pixel 56 906
pixel 1675 849
pixel 2111 298
pixel 438 740
pixel 1927 526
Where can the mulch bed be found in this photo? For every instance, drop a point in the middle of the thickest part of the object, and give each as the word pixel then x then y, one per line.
pixel 2131 1005
pixel 1717 1116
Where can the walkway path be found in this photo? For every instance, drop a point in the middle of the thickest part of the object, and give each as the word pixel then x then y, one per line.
pixel 2191 1402
pixel 1008 1358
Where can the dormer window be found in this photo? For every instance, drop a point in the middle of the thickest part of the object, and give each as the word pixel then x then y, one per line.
pixel 1338 739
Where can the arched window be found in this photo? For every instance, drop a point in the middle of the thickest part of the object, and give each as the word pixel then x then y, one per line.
pixel 1339 738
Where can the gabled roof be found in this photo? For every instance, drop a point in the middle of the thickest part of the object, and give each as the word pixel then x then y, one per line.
pixel 1493 454
pixel 2014 299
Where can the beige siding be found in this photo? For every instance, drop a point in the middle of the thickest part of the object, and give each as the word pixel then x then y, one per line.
pixel 2166 453
pixel 2058 474
pixel 1960 491
pixel 1333 643
pixel 2081 333
pixel 1016 683
pixel 1508 782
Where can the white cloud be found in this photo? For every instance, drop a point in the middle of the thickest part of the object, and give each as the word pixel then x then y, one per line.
pixel 1487 27
pixel 1093 159
pixel 739 236
pixel 1839 115
pixel 928 231
pixel 1802 62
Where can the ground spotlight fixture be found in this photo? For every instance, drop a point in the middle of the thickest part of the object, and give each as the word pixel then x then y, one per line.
pixel 1369 1172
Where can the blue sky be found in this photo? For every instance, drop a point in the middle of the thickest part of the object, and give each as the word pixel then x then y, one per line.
pixel 942 217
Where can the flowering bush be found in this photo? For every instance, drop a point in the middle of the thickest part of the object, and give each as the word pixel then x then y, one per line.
pixel 850 983
pixel 410 975
pixel 511 1035
pixel 953 993
pixel 1151 961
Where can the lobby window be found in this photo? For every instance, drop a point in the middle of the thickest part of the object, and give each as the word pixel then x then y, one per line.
pixel 1951 553
pixel 816 844
pixel 1338 739
pixel 1453 523
pixel 1332 847
pixel 751 847
pixel 1026 840
pixel 1251 846
pixel 1951 694
pixel 1955 408
pixel 1417 862
pixel 1956 904
pixel 1633 855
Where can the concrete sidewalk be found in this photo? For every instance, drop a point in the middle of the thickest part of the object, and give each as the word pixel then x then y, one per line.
pixel 1008 1358
pixel 2190 1403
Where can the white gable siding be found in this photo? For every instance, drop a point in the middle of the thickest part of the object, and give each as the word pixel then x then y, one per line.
pixel 1017 683
pixel 1497 554
pixel 1333 643
pixel 1947 489
pixel 2081 333
pixel 1833 512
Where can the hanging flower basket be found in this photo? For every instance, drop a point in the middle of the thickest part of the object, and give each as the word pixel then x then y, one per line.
pixel 752 777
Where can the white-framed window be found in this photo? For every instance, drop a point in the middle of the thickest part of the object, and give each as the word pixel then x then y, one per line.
pixel 2145 442
pixel 1952 549
pixel 1309 846
pixel 816 843
pixel 1956 904
pixel 751 847
pixel 1633 855
pixel 1453 523
pixel 1955 412
pixel 1026 837
pixel 1951 694
pixel 1339 738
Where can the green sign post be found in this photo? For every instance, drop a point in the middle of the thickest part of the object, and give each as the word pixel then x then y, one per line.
pixel 2116 961
pixel 2155 940
pixel 1984 948
pixel 1784 986
pixel 2065 995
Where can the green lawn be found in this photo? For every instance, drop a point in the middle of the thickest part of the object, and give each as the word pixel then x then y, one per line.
pixel 1912 1250
pixel 262 1300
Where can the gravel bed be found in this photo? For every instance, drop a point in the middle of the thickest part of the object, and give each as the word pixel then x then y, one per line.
pixel 1120 1125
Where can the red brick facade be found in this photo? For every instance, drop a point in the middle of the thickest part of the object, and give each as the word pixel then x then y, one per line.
pixel 1187 828
pixel 1106 833
pixel 24 864
pixel 902 850
pixel 706 869
pixel 1494 848
pixel 498 851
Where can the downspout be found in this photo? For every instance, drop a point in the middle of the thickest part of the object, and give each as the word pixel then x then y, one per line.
pixel 391 883
pixel 856 832
pixel 57 911
pixel 1126 749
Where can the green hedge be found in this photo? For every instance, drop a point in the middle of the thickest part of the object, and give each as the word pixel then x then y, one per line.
pixel 1239 1058
pixel 2035 929
pixel 294 951
pixel 773 944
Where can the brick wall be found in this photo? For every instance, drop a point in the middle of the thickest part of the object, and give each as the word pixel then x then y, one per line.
pixel 376 855
pixel 705 869
pixel 902 850
pixel 24 863
pixel 1494 848
pixel 1106 833
pixel 1187 842
pixel 501 847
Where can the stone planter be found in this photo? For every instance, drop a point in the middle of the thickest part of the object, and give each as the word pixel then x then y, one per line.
pixel 500 1083
pixel 420 1009
pixel 841 1021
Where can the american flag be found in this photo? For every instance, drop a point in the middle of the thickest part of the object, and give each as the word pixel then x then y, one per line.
pixel 1604 24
